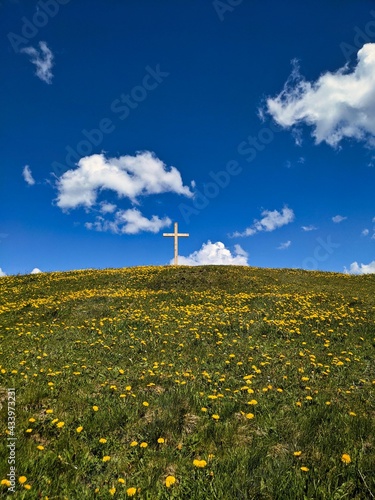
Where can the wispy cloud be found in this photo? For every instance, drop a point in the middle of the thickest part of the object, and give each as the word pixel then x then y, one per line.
pixel 43 60
pixel 356 268
pixel 309 228
pixel 215 253
pixel 366 232
pixel 27 175
pixel 338 218
pixel 271 220
pixel 290 164
pixel 107 208
pixel 129 222
pixel 285 245
pixel 128 176
pixel 338 105
pixel 2 273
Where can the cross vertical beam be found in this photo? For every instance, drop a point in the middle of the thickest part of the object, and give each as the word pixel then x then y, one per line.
pixel 176 235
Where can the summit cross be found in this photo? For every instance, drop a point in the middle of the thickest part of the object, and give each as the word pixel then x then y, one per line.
pixel 176 235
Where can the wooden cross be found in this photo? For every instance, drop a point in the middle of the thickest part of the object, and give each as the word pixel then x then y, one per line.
pixel 176 235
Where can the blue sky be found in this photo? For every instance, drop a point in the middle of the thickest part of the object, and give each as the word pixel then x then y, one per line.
pixel 249 123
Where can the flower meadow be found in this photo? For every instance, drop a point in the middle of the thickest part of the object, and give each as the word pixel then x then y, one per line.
pixel 212 382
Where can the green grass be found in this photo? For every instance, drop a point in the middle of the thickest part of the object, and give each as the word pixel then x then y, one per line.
pixel 284 358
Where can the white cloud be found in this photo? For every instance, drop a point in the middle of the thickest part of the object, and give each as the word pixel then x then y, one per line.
pixel 107 208
pixel 355 268
pixel 309 228
pixel 129 222
pixel 128 176
pixel 338 105
pixel 43 60
pixel 338 218
pixel 36 271
pixel 285 245
pixel 270 221
pixel 215 253
pixel 2 273
pixel 365 232
pixel 27 175
pixel 238 250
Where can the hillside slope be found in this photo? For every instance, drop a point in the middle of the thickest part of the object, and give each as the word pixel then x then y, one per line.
pixel 232 381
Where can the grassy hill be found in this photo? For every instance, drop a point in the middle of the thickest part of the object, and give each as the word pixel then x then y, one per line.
pixel 213 382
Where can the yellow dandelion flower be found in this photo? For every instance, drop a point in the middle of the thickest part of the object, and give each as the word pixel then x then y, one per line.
pixel 106 458
pixel 352 414
pixel 249 415
pixel 27 486
pixel 22 479
pixel 79 429
pixel 31 420
pixel 102 440
pixel 131 492
pixel 143 445
pixel 54 420
pixel 299 404
pixel 134 443
pixel 346 458
pixel 215 417
pixel 204 409
pixel 60 424
pixel 29 430
pixel 121 480
pixel 5 482
pixel 297 453
pixel 304 469
pixel 252 402
pixel 169 480
pixel 145 403
pixel 40 447
pixel 199 463
pixel 95 408
pixel 161 440
pixel 49 411
pixel 128 388
pixel 112 491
